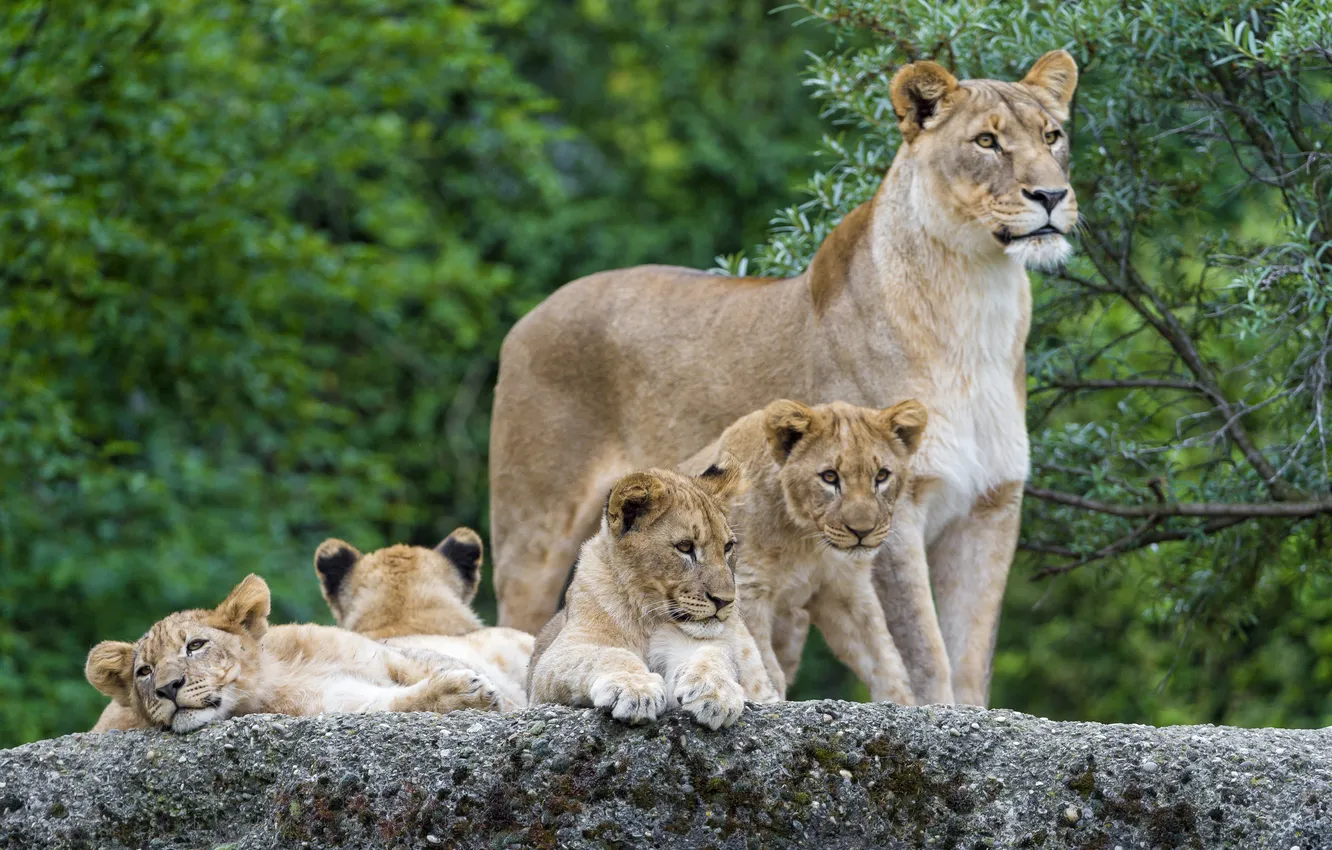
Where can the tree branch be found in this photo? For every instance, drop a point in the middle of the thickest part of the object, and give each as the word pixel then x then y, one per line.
pixel 1133 541
pixel 1241 510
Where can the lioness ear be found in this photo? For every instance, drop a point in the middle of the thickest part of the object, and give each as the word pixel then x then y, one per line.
pixel 333 562
pixel 247 606
pixel 1056 75
pixel 918 91
pixel 108 669
pixel 463 550
pixel 724 479
pixel 786 423
pixel 906 421
pixel 635 500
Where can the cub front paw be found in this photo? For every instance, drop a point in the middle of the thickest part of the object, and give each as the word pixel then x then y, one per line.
pixel 713 701
pixel 460 689
pixel 630 697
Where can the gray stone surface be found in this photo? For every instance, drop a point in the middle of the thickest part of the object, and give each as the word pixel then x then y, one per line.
pixel 817 774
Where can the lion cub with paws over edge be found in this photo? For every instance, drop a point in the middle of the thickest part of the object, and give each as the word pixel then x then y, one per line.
pixel 649 618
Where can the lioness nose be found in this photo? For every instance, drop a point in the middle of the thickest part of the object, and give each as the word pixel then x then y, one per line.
pixel 858 532
pixel 719 602
pixel 1048 198
pixel 170 689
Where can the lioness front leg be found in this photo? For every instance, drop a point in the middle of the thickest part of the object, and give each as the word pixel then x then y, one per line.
pixel 706 687
pixel 790 630
pixel 582 672
pixel 748 661
pixel 902 583
pixel 852 622
pixel 969 566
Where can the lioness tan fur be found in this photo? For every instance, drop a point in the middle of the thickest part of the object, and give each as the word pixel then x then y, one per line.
pixel 921 292
pixel 419 598
pixel 824 482
pixel 650 617
pixel 202 666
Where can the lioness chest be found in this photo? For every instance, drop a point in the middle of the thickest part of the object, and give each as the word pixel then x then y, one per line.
pixel 669 648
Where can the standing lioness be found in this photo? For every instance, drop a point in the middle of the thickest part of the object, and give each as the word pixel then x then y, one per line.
pixel 921 292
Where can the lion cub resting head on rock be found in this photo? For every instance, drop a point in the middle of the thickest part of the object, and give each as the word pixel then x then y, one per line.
pixel 198 667
pixel 823 484
pixel 649 618
pixel 418 598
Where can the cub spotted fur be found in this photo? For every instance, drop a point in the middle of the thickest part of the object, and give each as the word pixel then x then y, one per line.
pixel 823 484
pixel 198 667
pixel 649 619
pixel 418 598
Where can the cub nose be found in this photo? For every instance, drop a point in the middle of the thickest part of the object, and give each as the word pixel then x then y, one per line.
pixel 170 689
pixel 858 532
pixel 719 602
pixel 1048 198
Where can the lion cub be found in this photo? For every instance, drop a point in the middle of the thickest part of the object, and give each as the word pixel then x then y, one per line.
pixel 418 598
pixel 823 484
pixel 198 667
pixel 649 618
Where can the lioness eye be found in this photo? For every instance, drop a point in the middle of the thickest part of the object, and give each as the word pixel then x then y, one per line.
pixel 987 140
pixel 730 545
pixel 195 645
pixel 685 546
pixel 1052 137
pixel 143 671
pixel 882 476
pixel 829 475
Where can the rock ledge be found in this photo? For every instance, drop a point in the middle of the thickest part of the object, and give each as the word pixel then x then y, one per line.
pixel 814 774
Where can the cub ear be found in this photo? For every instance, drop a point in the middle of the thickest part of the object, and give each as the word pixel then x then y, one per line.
pixel 108 669
pixel 1055 75
pixel 463 550
pixel 919 91
pixel 724 480
pixel 635 500
pixel 247 606
pixel 333 562
pixel 786 423
pixel 906 421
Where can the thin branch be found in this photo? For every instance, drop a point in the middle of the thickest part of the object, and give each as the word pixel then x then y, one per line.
pixel 1132 542
pixel 1242 510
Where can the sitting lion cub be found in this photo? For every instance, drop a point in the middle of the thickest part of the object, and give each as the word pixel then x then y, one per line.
pixel 823 483
pixel 418 598
pixel 649 617
pixel 198 667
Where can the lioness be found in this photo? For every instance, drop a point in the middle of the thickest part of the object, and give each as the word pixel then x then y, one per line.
pixel 198 667
pixel 823 485
pixel 648 618
pixel 419 598
pixel 921 292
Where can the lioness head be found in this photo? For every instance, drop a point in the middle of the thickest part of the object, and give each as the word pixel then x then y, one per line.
pixel 407 589
pixel 672 550
pixel 843 467
pixel 993 155
pixel 191 668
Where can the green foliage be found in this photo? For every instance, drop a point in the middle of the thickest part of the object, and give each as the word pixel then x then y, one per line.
pixel 1179 367
pixel 260 256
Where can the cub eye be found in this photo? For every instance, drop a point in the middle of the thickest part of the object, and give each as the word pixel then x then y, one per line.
pixel 729 547
pixel 195 645
pixel 882 476
pixel 987 140
pixel 685 546
pixel 145 670
pixel 829 475
pixel 1052 136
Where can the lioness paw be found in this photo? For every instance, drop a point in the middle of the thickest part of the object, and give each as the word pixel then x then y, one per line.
pixel 713 701
pixel 630 697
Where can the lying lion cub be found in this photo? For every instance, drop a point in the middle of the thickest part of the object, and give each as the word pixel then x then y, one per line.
pixel 198 667
pixel 823 483
pixel 418 598
pixel 649 617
